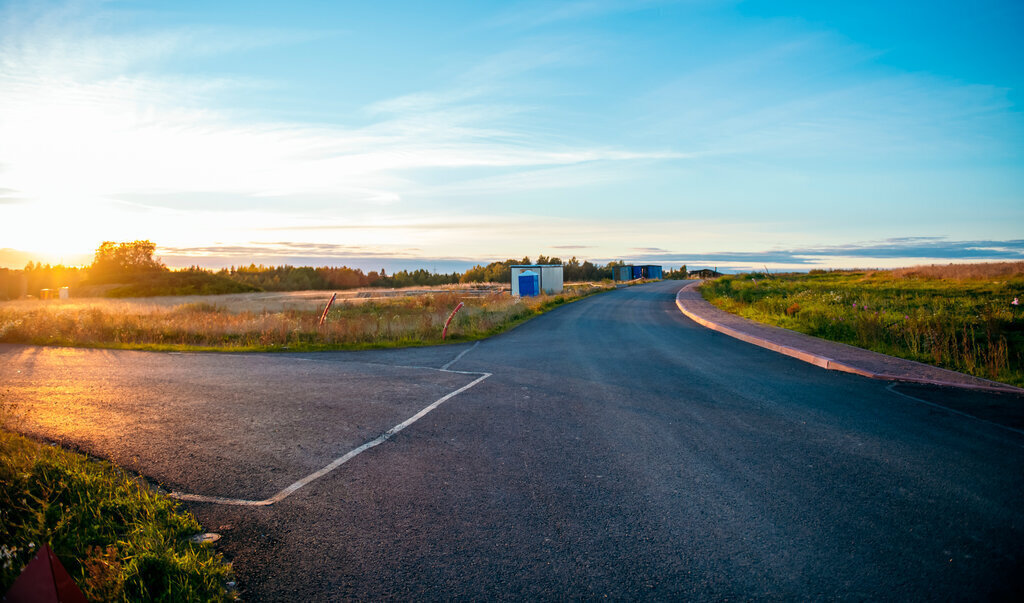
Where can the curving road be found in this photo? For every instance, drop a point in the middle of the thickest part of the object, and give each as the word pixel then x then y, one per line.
pixel 615 449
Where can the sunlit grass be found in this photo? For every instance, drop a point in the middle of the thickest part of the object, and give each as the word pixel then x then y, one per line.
pixel 119 540
pixel 961 318
pixel 205 325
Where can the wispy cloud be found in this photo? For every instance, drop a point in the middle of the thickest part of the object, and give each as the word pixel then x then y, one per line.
pixel 800 93
pixel 453 225
pixel 82 101
pixel 536 14
pixel 910 248
pixel 9 196
pixel 282 249
pixel 929 247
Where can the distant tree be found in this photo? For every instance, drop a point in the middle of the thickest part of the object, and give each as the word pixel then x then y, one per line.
pixel 476 274
pixel 116 262
pixel 573 271
pixel 677 274
pixel 419 277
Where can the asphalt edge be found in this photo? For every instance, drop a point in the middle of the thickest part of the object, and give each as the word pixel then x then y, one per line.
pixel 824 361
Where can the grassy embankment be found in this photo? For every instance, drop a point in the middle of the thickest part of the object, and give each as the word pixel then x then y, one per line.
pixel 958 317
pixel 182 282
pixel 399 322
pixel 119 540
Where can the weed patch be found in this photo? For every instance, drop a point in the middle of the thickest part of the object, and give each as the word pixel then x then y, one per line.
pixel 119 540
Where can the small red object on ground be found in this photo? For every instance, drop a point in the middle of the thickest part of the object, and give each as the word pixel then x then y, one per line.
pixel 444 331
pixel 44 580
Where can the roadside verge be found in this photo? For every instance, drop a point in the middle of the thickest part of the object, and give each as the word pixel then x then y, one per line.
pixel 826 354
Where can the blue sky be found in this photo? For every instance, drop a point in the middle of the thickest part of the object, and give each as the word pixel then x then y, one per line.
pixel 409 134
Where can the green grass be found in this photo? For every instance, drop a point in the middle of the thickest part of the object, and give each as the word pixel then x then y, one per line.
pixel 398 322
pixel 960 323
pixel 118 539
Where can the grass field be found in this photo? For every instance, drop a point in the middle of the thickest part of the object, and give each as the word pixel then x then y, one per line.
pixel 119 540
pixel 959 317
pixel 265 322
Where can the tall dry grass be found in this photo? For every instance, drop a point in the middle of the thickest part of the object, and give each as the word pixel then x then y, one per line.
pixel 992 270
pixel 384 323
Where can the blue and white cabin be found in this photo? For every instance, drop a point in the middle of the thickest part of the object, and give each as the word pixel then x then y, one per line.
pixel 540 278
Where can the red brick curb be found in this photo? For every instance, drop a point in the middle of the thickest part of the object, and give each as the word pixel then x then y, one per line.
pixel 700 311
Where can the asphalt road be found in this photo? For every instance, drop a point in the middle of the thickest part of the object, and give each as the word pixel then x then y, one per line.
pixel 616 449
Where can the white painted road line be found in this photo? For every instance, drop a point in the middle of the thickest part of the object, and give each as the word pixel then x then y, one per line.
pixel 283 494
pixel 457 358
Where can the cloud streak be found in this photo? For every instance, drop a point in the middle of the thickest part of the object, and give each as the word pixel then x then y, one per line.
pixel 530 15
pixel 932 248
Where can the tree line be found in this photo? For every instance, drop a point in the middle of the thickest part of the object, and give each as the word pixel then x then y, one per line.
pixel 132 267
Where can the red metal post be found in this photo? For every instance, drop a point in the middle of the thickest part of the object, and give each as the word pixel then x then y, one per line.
pixel 323 316
pixel 444 331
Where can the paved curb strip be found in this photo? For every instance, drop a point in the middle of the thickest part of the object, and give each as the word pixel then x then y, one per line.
pixel 691 308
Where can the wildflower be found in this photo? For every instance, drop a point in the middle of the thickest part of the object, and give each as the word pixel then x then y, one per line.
pixel 854 305
pixel 1015 302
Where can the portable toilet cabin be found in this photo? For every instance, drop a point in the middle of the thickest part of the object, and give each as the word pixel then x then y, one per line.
pixel 548 279
pixel 529 283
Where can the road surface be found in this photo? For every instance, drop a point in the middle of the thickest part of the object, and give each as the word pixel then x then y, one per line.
pixel 609 448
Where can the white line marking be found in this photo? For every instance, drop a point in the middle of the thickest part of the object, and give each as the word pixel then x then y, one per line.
pixel 891 387
pixel 456 359
pixel 283 494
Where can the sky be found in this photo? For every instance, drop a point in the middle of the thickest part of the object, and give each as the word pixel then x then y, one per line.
pixel 438 135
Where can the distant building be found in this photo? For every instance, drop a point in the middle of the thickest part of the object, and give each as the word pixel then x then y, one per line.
pixel 529 280
pixel 631 272
pixel 705 273
pixel 649 271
